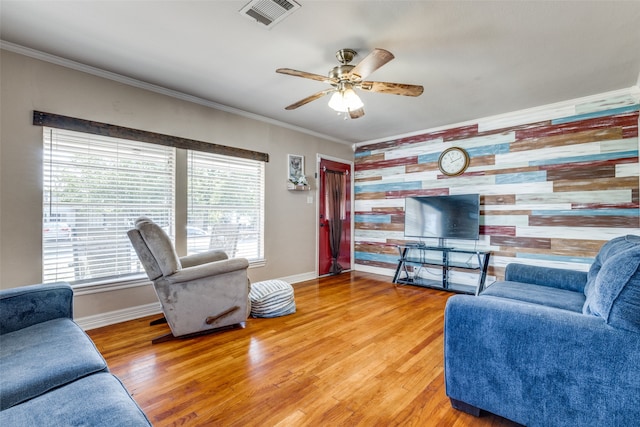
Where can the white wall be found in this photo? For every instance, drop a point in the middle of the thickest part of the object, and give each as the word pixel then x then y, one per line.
pixel 29 84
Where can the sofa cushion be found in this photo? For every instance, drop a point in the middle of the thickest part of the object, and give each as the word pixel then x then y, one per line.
pixel 44 356
pixel 537 294
pixel 616 291
pixel 27 305
pixel 609 249
pixel 96 400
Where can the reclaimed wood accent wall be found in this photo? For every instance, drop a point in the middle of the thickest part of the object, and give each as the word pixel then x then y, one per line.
pixel 553 186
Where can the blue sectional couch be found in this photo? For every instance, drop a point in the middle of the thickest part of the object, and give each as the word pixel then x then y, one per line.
pixel 51 374
pixel 551 347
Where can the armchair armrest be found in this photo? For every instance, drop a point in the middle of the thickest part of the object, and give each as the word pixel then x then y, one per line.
pixel 203 258
pixel 560 278
pixel 206 270
pixel 528 363
pixel 27 305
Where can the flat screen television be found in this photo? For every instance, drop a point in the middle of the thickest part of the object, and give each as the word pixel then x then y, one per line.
pixel 443 217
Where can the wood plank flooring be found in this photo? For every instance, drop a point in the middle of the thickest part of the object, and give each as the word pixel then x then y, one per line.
pixel 358 352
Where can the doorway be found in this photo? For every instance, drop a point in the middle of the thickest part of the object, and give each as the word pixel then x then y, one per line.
pixel 335 180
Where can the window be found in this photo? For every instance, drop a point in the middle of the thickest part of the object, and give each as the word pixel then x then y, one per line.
pixel 225 205
pixel 96 186
pixel 94 189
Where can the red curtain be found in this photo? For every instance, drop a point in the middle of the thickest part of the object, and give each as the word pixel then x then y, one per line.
pixel 335 206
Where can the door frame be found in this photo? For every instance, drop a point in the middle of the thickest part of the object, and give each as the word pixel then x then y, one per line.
pixel 352 181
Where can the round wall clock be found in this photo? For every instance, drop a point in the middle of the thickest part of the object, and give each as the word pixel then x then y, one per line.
pixel 453 161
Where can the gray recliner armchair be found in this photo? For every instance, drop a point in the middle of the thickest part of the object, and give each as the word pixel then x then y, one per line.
pixel 199 293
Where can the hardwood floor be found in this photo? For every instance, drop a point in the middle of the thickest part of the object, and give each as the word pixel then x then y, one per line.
pixel 358 351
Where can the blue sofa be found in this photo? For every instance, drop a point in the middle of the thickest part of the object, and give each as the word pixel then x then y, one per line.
pixel 551 347
pixel 51 374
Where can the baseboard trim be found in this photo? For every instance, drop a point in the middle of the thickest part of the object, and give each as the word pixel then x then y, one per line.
pixel 118 316
pixel 302 277
pixel 131 313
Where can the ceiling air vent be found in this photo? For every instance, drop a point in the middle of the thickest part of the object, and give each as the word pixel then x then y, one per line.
pixel 269 12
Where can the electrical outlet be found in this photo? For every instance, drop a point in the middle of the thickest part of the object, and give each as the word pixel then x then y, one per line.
pixel 310 199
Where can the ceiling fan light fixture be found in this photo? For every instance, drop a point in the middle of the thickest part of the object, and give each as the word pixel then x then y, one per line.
pixel 345 100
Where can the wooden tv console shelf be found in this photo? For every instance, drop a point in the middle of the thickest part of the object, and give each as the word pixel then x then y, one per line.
pixel 413 257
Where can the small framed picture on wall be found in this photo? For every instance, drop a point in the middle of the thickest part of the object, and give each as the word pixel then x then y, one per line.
pixel 295 164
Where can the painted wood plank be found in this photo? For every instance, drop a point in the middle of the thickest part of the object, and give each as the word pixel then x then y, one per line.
pixel 378 235
pixel 630 205
pixel 620 156
pixel 597 114
pixel 370 195
pixel 575 232
pixel 377 248
pixel 600 211
pixel 486 140
pixel 521 177
pixel 401 194
pixel 498 199
pixel 413 150
pixel 379 226
pixel 629 169
pixel 582 171
pixel 622 120
pixel 464 180
pixel 580 137
pixel 378 173
pixel 506 220
pixel 551 153
pixel 390 267
pixel 530 188
pixel 370 256
pixel 497 230
pixel 373 178
pixel 501 261
pixel 362 205
pixel 608 102
pixel 363 160
pixel 381 164
pixel 596 184
pixel 621 221
pixel 613 196
pixel 522 242
pixel 495 209
pixel 557 258
pixel 619 145
pixel 387 186
pixel 372 218
pixel 391 211
pixel 588 248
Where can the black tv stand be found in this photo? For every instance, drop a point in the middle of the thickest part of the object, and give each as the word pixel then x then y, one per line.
pixel 414 256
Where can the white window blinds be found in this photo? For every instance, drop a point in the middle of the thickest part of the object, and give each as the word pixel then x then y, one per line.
pixel 225 205
pixel 94 189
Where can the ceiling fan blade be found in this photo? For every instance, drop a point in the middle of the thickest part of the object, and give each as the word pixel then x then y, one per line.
pixel 392 88
pixel 370 63
pixel 354 114
pixel 303 74
pixel 308 99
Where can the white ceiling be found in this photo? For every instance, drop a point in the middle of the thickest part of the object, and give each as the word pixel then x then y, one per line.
pixel 474 59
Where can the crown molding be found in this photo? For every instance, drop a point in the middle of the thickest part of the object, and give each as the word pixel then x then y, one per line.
pixel 67 63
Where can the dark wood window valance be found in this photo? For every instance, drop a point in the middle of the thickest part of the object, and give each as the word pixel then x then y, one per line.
pixel 104 129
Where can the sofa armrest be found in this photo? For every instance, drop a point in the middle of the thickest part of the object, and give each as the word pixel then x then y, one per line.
pixel 203 258
pixel 539 365
pixel 25 306
pixel 560 278
pixel 208 270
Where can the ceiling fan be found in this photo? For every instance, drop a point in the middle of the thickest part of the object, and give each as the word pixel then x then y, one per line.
pixel 344 78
